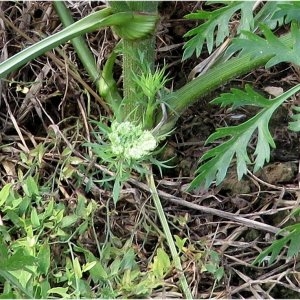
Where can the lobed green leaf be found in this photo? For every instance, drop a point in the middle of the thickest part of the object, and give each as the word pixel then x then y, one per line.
pixel 267 15
pixel 288 11
pixel 216 161
pixel 270 45
pixel 238 98
pixel 290 239
pixel 216 26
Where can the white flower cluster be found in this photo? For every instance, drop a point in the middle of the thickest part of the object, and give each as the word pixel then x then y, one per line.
pixel 130 141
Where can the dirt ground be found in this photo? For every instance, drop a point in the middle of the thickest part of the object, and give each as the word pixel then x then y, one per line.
pixel 51 95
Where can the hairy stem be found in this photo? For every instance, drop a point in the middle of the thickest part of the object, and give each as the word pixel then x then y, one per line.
pixel 136 53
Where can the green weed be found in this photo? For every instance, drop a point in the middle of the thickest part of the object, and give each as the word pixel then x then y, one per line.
pixel 35 227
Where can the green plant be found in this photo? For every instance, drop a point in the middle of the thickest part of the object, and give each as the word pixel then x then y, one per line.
pixel 287 237
pixel 151 112
pixel 290 239
pixel 127 147
pixel 41 257
pixel 34 228
pixel 255 51
pixel 217 160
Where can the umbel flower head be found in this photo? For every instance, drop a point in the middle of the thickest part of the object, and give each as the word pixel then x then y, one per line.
pixel 131 141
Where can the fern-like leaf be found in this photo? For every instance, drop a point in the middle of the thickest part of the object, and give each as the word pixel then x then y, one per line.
pixel 215 28
pixel 295 125
pixel 291 239
pixel 270 45
pixel 288 11
pixel 216 161
pixel 267 15
pixel 238 98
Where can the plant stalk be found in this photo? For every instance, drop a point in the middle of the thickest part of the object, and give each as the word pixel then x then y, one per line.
pixel 84 53
pixel 168 235
pixel 104 81
pixel 192 92
pixel 128 22
pixel 136 54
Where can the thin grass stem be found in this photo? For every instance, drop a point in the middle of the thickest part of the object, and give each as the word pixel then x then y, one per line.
pixel 168 234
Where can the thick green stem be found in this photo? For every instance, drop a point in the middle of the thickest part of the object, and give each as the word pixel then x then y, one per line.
pixel 136 54
pixel 180 100
pixel 135 101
